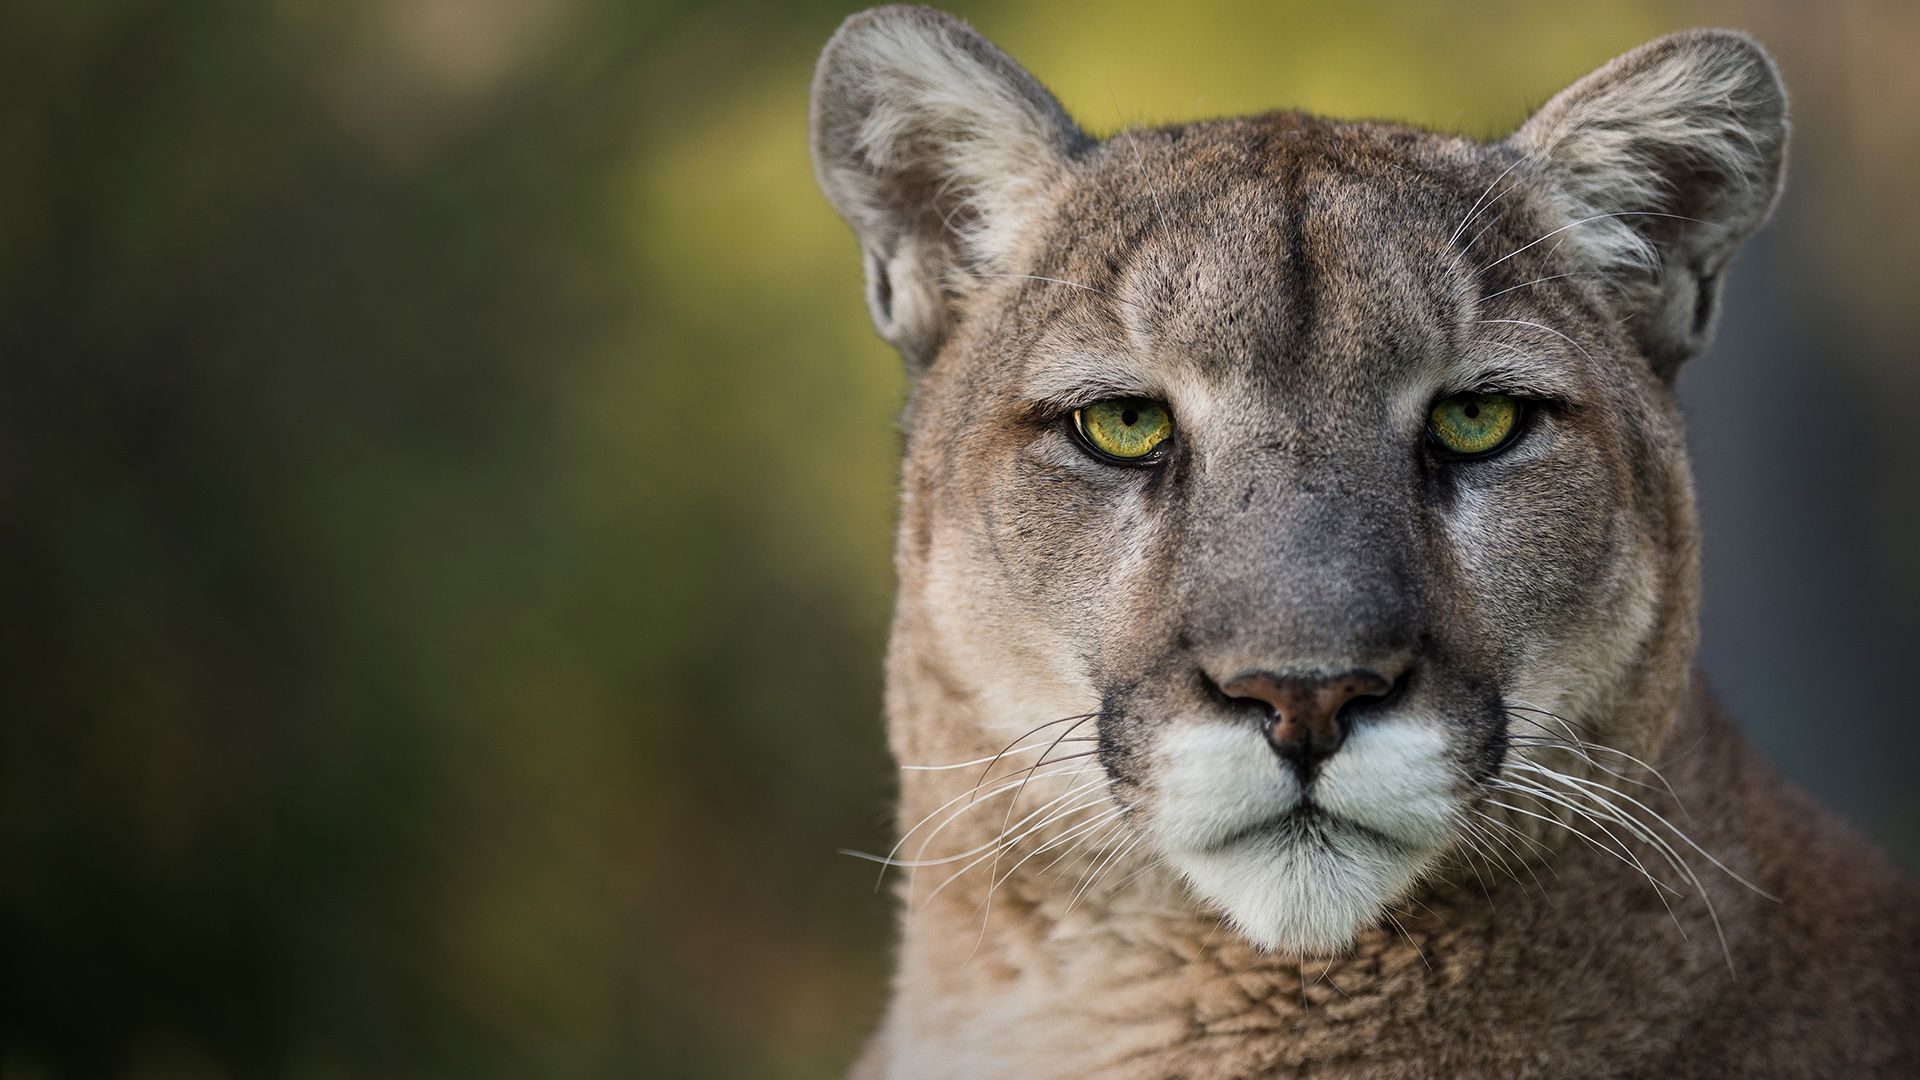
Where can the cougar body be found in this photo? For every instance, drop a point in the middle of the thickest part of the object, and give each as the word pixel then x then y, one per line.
pixel 1311 739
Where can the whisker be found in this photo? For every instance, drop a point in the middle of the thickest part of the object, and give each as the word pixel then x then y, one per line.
pixel 1069 284
pixel 1477 843
pixel 1015 802
pixel 1152 862
pixel 1595 746
pixel 1080 829
pixel 1524 838
pixel 1677 832
pixel 1159 212
pixel 1006 784
pixel 993 885
pixel 1109 837
pixel 1578 749
pixel 1474 241
pixel 972 795
pixel 1326 976
pixel 1123 848
pixel 1416 945
pixel 1474 211
pixel 946 859
pixel 1466 860
pixel 1585 221
pixel 1672 857
pixel 997 850
pixel 1541 281
pixel 1072 774
pixel 1076 719
pixel 976 761
pixel 1606 812
pixel 1633 825
pixel 1526 706
pixel 1548 329
pixel 985 906
pixel 1084 838
pixel 1489 838
pixel 1625 854
pixel 1044 760
pixel 1556 822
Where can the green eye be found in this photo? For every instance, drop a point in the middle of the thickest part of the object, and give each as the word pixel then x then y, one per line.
pixel 1125 429
pixel 1473 424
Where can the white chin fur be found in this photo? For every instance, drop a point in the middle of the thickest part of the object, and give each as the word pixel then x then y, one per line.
pixel 1300 887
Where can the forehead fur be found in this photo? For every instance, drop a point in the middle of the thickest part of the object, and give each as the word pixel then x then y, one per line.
pixel 1285 248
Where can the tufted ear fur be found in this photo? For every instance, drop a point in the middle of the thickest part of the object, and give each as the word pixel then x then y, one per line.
pixel 937 148
pixel 1668 156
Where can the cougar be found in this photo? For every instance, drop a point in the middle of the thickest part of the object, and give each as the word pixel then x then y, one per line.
pixel 1292 667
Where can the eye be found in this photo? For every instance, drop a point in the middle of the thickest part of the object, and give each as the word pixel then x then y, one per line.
pixel 1474 425
pixel 1123 429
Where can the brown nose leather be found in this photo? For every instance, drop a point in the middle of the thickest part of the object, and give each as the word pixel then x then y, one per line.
pixel 1305 722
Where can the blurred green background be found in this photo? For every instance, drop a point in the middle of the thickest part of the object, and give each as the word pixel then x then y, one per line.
pixel 428 651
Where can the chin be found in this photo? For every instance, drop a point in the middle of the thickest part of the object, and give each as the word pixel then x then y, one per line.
pixel 1304 870
pixel 1305 886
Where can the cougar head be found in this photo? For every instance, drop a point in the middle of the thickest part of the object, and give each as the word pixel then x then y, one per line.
pixel 1309 455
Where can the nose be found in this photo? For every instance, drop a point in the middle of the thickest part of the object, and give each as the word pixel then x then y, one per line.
pixel 1308 716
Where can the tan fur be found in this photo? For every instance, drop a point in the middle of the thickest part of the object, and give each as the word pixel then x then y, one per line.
pixel 1298 291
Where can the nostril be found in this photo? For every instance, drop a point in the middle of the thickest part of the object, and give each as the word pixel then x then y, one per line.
pixel 1373 697
pixel 1308 715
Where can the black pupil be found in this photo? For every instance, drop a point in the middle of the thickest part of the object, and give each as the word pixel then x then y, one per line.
pixel 1129 417
pixel 1472 411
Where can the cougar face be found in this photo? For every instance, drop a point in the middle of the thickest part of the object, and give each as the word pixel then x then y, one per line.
pixel 1321 463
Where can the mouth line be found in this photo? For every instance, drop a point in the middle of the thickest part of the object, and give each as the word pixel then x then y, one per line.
pixel 1308 820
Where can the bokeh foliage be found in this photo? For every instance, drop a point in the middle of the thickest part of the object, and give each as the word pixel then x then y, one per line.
pixel 445 507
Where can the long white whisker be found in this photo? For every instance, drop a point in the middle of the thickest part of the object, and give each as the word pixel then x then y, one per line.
pixel 990 759
pixel 1104 852
pixel 1416 945
pixel 1069 284
pixel 1007 783
pixel 1120 851
pixel 1585 221
pixel 1009 825
pixel 1474 241
pixel 1599 820
pixel 1080 829
pixel 1536 281
pixel 997 850
pixel 994 883
pixel 1548 329
pixel 1152 861
pixel 1522 837
pixel 1076 845
pixel 947 859
pixel 1579 750
pixel 1493 838
pixel 1625 854
pixel 974 794
pixel 1638 828
pixel 1014 804
pixel 1677 832
pixel 1596 746
pixel 1556 822
pixel 1076 722
pixel 1474 211
pixel 1673 857
pixel 1477 843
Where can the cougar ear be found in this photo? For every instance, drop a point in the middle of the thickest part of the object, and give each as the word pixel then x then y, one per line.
pixel 1668 157
pixel 937 148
